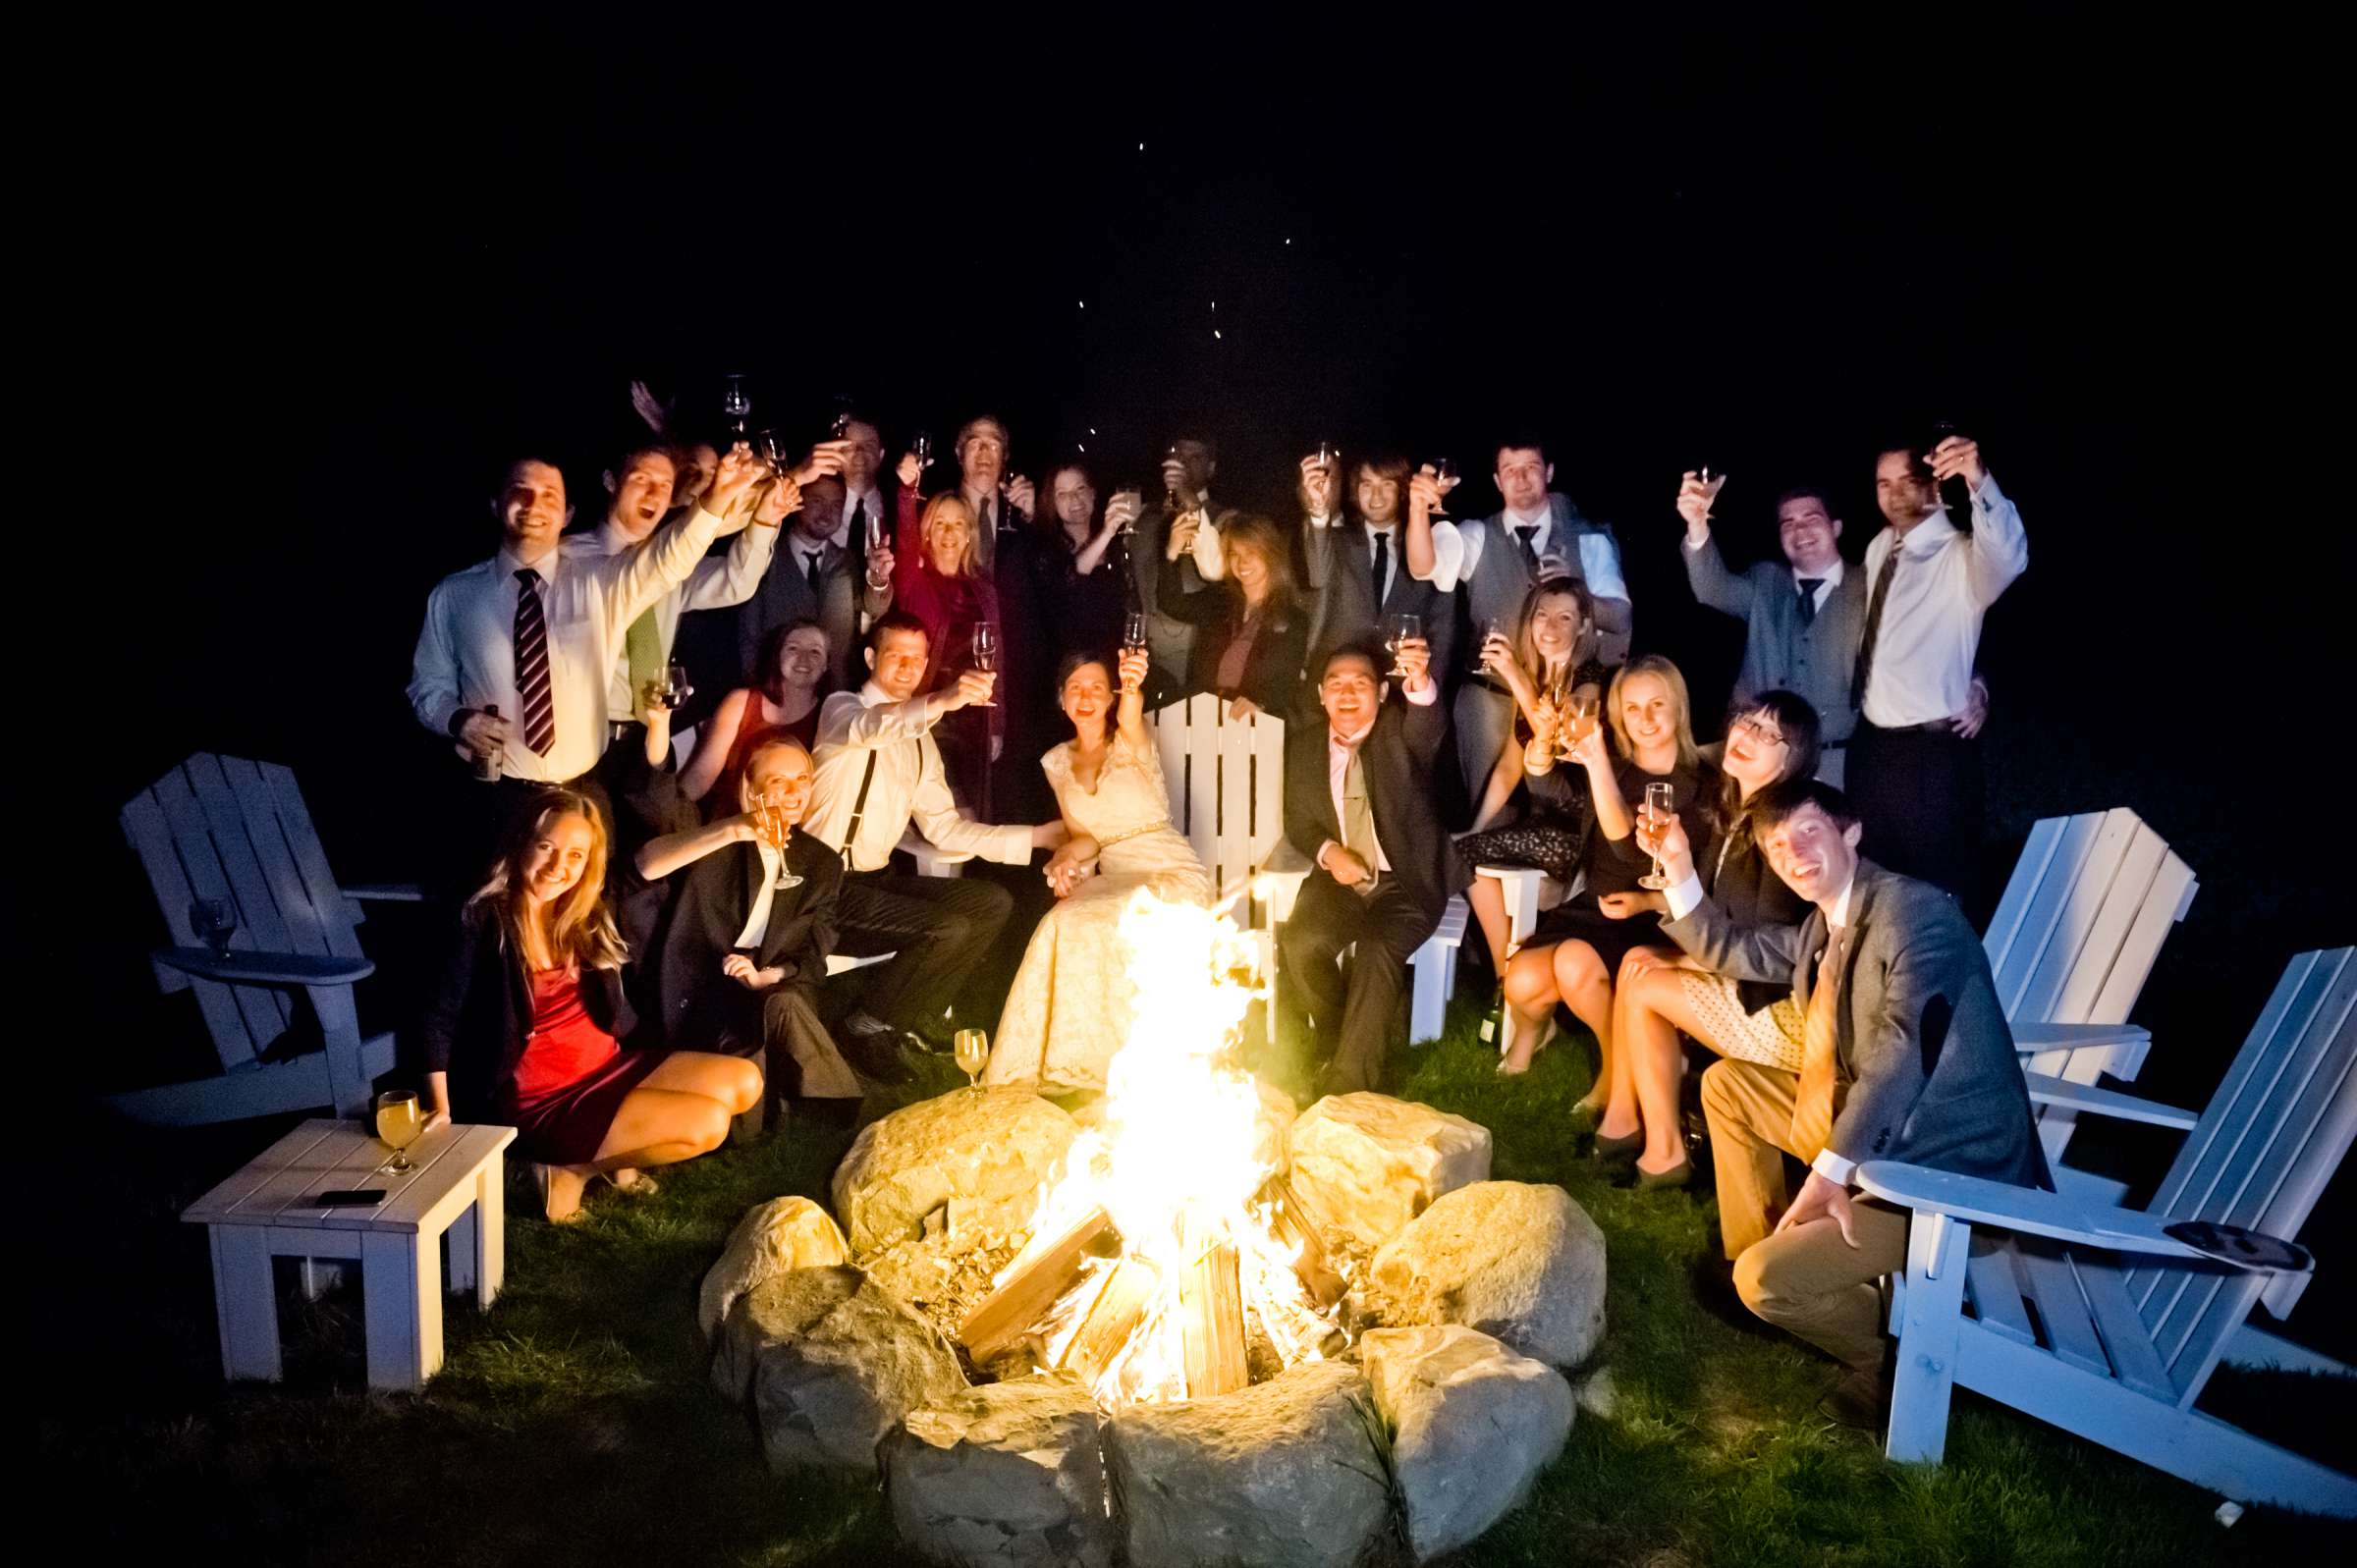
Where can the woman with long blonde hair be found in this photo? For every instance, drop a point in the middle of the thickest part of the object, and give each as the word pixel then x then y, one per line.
pixel 1575 951
pixel 526 1028
pixel 937 576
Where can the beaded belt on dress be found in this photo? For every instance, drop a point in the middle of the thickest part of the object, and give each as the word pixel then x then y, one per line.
pixel 1133 832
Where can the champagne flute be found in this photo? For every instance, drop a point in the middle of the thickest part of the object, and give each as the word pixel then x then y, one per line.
pixel 971 1047
pixel 736 405
pixel 1400 628
pixel 1133 629
pixel 1170 491
pixel 780 833
pixel 216 921
pixel 986 655
pixel 399 1122
pixel 1444 474
pixel 921 445
pixel 1658 805
pixel 776 449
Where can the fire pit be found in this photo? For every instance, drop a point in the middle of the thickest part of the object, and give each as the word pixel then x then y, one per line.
pixel 1137 1334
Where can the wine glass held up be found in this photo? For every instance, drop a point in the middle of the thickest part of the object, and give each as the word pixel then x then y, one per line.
pixel 735 405
pixel 1659 803
pixel 1444 474
pixel 986 654
pixel 1400 628
pixel 1133 629
pixel 1579 721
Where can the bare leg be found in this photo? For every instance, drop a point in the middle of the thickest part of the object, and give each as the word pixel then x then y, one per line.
pixel 1654 1010
pixel 661 1127
pixel 733 1081
pixel 1530 998
pixel 1487 899
pixel 1581 981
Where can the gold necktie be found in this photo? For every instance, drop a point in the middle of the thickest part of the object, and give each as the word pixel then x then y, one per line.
pixel 1813 1108
pixel 1358 819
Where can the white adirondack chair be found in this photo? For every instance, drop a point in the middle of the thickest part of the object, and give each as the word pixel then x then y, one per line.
pixel 2092 1318
pixel 228 828
pixel 2073 939
pixel 1225 779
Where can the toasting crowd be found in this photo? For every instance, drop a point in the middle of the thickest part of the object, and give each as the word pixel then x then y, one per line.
pixel 883 665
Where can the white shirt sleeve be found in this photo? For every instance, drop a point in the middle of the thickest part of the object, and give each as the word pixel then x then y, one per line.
pixel 934 810
pixel 1687 896
pixel 434 668
pixel 1833 1168
pixel 1452 556
pixel 1210 565
pixel 718 582
pixel 2000 550
pixel 1600 564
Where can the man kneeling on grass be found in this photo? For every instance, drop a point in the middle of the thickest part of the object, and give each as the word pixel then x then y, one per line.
pixel 1905 1055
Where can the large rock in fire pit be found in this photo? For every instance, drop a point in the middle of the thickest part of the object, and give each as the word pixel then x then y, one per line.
pixel 1364 1165
pixel 1519 1262
pixel 978 1158
pixel 1287 1473
pixel 1006 1476
pixel 773 1238
pixel 831 1363
pixel 1472 1424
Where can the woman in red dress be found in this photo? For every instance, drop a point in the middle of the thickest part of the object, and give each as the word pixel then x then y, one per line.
pixel 527 1026
pixel 937 576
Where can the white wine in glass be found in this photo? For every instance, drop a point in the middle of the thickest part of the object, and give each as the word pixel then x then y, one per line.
pixel 1658 802
pixel 399 1122
pixel 972 1049
pixel 1400 628
pixel 1579 721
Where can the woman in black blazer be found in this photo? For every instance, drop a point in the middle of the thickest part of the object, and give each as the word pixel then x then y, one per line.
pixel 743 948
pixel 525 1029
pixel 1251 632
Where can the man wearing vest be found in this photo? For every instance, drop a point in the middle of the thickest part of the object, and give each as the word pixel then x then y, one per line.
pixel 1495 560
pixel 1905 1055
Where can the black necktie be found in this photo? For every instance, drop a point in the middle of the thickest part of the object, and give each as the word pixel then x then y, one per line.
pixel 1874 626
pixel 810 569
pixel 858 533
pixel 532 665
pixel 1379 560
pixel 1808 598
pixel 1527 536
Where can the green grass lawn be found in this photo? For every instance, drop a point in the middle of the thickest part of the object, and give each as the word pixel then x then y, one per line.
pixel 574 1424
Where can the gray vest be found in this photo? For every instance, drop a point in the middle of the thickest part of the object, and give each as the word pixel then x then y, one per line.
pixel 1494 591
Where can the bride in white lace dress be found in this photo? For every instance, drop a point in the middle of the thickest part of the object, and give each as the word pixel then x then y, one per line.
pixel 1069 1008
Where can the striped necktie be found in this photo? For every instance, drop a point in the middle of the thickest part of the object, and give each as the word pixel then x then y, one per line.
pixel 532 664
pixel 1813 1107
pixel 1873 628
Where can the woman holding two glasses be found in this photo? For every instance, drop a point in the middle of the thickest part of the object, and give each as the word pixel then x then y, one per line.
pixel 526 1028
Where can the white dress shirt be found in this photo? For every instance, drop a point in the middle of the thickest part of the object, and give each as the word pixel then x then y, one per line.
pixel 1456 552
pixel 1683 900
pixel 1930 626
pixel 756 924
pixel 1338 767
pixel 1826 583
pixel 715 583
pixel 909 784
pixel 465 656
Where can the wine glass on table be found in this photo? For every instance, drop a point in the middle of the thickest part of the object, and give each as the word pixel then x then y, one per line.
pixel 1396 629
pixel 986 655
pixel 971 1047
pixel 399 1122
pixel 216 921
pixel 1659 806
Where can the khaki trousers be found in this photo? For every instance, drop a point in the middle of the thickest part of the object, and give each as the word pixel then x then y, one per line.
pixel 1807 1280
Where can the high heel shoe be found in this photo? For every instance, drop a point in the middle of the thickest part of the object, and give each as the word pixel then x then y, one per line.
pixel 544 1179
pixel 1609 1150
pixel 1638 1180
pixel 1505 1066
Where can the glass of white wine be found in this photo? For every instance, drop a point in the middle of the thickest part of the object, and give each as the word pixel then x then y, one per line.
pixel 1579 720
pixel 1400 628
pixel 972 1049
pixel 1659 806
pixel 399 1122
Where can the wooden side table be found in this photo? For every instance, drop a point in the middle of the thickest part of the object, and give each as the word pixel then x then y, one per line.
pixel 270 1210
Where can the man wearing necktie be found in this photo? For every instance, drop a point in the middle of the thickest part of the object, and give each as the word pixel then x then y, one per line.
pixel 816 579
pixel 1905 1055
pixel 1358 806
pixel 1357 577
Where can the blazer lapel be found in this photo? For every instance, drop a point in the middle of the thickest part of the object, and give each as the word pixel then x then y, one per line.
pixel 749 881
pixel 1813 934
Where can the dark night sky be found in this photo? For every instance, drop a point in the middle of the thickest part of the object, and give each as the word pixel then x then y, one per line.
pixel 341 273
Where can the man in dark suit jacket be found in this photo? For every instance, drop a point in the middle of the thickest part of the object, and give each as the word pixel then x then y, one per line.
pixel 738 959
pixel 1802 617
pixel 813 577
pixel 1384 869
pixel 1906 1056
pixel 1341 561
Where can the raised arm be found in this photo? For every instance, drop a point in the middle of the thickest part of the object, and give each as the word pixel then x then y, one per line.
pixel 674 851
pixel 1130 718
pixel 712 744
pixel 1435 552
pixel 1600 564
pixel 2000 550
pixel 717 583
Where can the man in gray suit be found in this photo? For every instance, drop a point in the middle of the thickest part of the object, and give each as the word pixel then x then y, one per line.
pixel 1801 619
pixel 814 578
pixel 1906 1057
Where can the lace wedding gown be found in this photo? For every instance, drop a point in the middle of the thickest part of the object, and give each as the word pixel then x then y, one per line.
pixel 1069 1008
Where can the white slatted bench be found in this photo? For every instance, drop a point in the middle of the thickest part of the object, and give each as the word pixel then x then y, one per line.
pixel 269 1210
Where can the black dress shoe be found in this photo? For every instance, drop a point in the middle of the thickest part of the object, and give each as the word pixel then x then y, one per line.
pixel 1861 1399
pixel 874 1056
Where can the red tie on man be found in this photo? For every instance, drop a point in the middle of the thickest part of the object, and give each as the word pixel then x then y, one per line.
pixel 532 665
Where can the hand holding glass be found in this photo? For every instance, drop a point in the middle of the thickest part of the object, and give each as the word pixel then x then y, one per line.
pixel 1133 629
pixel 1579 721
pixel 1659 806
pixel 399 1122
pixel 1400 628
pixel 986 655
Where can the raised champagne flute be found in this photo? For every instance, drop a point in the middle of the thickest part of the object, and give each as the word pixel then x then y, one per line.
pixel 1659 806
pixel 921 447
pixel 971 1047
pixel 779 835
pixel 1133 629
pixel 399 1122
pixel 216 921
pixel 1400 628
pixel 986 655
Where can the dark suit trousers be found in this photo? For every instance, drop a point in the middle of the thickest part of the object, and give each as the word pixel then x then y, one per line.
pixel 1352 1022
pixel 780 1030
pixel 1919 795
pixel 940 927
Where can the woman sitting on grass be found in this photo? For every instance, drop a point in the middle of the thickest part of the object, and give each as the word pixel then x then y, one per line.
pixel 525 1030
pixel 1577 946
pixel 1661 991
